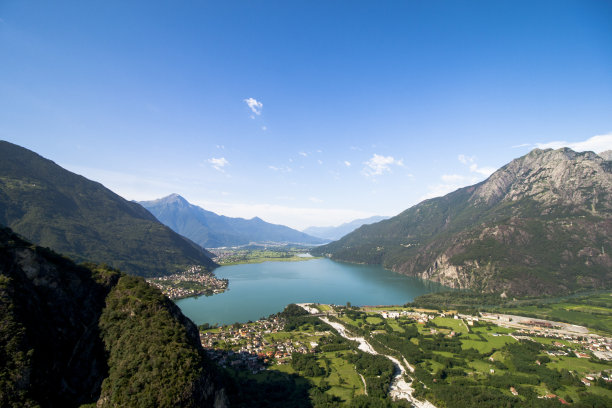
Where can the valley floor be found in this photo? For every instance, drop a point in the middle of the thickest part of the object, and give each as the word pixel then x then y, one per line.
pixel 433 358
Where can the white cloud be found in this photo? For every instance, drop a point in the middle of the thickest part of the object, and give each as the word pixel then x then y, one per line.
pixel 303 154
pixel 264 128
pixel 320 161
pixel 378 165
pixel 485 171
pixel 521 145
pixel 283 169
pixel 220 147
pixel 597 144
pixel 315 200
pixel 465 159
pixel 254 105
pixel 218 163
pixel 473 166
pixel 347 163
pixel 452 178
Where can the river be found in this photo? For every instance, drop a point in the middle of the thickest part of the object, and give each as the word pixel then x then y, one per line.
pixel 258 290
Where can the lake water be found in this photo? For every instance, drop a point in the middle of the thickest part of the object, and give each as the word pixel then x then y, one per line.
pixel 259 290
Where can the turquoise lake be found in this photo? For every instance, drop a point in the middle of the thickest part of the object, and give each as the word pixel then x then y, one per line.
pixel 259 290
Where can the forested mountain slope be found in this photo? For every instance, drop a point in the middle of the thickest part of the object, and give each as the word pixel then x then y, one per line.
pixel 72 335
pixel 542 224
pixel 86 221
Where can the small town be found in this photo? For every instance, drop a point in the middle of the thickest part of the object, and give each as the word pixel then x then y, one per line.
pixel 195 281
pixel 252 346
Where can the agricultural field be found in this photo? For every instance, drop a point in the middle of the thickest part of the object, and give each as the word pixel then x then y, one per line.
pixel 233 256
pixel 458 362
pixel 594 311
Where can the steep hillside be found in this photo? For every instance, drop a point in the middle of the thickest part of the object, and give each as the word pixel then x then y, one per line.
pixel 339 231
pixel 211 230
pixel 72 335
pixel 541 224
pixel 86 221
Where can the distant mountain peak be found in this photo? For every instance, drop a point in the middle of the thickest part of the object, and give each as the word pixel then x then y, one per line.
pixel 211 230
pixel 172 198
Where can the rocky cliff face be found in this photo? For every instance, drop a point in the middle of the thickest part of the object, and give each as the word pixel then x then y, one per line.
pixel 58 350
pixel 542 224
pixel 555 179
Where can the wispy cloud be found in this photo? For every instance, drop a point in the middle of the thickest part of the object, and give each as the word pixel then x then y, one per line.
pixel 347 163
pixel 282 169
pixel 452 178
pixel 218 163
pixel 303 154
pixel 597 144
pixel 449 183
pixel 378 165
pixel 264 128
pixel 473 166
pixel 315 200
pixel 254 105
pixel 521 145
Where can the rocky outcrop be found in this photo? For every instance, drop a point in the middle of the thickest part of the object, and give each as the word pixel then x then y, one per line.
pixel 553 179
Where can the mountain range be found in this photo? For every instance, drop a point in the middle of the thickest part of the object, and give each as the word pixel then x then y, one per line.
pixel 337 232
pixel 84 220
pixel 211 230
pixel 541 224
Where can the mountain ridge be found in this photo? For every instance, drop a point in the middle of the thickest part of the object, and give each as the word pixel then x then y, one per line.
pixel 211 230
pixel 80 218
pixel 538 225
pixel 338 231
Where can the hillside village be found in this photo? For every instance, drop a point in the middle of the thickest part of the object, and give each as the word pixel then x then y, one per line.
pixel 195 281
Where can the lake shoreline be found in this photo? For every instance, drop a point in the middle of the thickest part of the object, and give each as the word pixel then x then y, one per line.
pixel 261 289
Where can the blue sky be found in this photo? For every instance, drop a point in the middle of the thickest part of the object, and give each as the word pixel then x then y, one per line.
pixel 302 112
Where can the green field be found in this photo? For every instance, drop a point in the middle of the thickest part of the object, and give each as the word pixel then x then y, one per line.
pixel 593 311
pixel 475 365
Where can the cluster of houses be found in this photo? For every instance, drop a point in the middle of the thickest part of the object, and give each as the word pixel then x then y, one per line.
pixel 246 346
pixel 194 281
pixel 396 314
pixel 599 346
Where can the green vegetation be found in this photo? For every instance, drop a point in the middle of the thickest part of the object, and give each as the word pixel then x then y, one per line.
pixel 497 243
pixel 153 359
pixel 73 335
pixel 257 254
pixel 455 364
pixel 591 310
pixel 85 221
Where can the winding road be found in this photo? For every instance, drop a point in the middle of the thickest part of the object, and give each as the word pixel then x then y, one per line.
pixel 399 389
